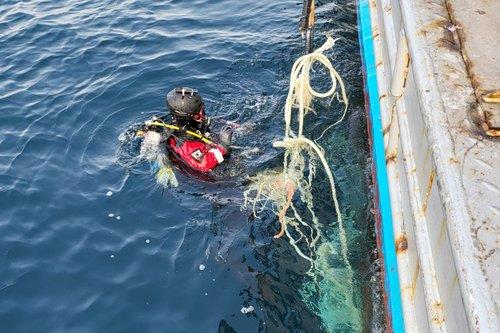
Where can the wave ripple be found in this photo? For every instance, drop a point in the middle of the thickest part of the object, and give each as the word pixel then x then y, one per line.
pixel 74 75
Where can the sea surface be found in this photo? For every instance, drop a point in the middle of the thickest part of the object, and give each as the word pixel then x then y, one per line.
pixel 90 243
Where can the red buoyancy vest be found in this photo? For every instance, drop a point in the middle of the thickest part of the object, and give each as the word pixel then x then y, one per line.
pixel 198 155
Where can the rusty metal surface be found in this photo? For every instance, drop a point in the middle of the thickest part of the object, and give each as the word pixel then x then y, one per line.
pixel 383 36
pixel 443 171
pixel 467 163
pixel 477 23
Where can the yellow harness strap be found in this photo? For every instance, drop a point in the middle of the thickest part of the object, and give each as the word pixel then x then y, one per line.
pixel 176 128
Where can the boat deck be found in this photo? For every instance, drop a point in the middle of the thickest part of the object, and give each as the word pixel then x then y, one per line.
pixel 476 24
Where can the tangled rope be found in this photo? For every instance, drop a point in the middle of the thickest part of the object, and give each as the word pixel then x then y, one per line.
pixel 301 93
pixel 280 187
pixel 275 190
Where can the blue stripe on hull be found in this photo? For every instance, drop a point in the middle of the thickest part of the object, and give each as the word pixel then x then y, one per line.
pixel 392 287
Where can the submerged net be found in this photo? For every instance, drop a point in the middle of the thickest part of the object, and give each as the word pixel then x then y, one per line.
pixel 283 191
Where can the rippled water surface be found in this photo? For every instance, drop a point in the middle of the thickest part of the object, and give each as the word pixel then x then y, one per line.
pixel 74 74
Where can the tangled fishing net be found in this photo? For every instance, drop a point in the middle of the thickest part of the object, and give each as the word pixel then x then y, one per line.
pixel 282 192
pixel 301 156
pixel 154 151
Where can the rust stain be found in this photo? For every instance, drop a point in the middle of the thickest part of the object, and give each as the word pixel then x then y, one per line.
pixel 401 244
pixel 391 157
pixel 437 314
pixel 451 71
pixel 476 81
pixel 428 191
pixel 449 41
pixel 434 25
pixel 382 96
pixel 375 31
pixel 414 280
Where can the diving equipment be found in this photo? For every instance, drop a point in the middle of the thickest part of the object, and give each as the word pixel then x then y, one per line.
pixel 186 104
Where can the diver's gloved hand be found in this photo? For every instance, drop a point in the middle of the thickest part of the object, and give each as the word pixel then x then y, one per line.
pixel 225 136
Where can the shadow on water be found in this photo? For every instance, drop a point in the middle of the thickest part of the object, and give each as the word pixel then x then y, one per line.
pixel 77 74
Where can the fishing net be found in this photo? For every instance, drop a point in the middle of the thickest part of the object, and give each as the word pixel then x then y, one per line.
pixel 151 148
pixel 282 191
pixel 154 151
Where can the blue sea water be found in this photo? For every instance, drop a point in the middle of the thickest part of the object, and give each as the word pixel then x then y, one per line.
pixel 74 75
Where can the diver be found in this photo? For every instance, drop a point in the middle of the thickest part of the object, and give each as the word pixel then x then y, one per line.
pixel 186 138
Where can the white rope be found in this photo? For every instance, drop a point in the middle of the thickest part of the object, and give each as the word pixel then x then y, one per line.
pixel 278 187
pixel 300 95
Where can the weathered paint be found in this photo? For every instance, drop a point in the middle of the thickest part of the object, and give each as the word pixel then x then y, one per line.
pixel 387 239
pixel 476 24
pixel 400 71
pixel 401 244
pixel 441 173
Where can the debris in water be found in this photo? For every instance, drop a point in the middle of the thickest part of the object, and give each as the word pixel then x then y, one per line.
pixel 147 241
pixel 281 190
pixel 112 256
pixel 206 294
pixel 109 193
pixel 111 215
pixel 251 152
pixel 276 189
pixel 201 267
pixel 247 310
pixel 118 217
pixel 153 151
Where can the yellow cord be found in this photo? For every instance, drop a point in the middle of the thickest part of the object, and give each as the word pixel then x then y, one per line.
pixel 177 128
pixel 157 123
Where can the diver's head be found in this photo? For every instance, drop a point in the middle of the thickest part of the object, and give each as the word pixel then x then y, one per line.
pixel 187 107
